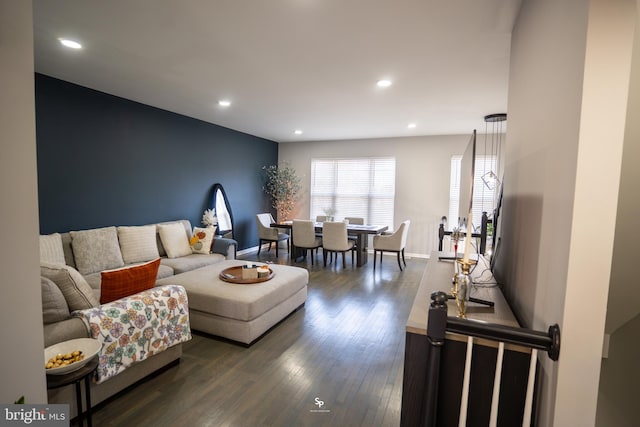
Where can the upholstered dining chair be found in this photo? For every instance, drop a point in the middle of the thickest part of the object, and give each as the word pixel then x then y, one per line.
pixel 334 240
pixel 355 220
pixel 268 234
pixel 303 234
pixel 320 218
pixel 394 242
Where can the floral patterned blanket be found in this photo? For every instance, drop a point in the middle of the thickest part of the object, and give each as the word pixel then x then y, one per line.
pixel 134 328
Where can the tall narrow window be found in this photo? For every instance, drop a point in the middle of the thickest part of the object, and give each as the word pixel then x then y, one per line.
pixel 483 198
pixel 359 187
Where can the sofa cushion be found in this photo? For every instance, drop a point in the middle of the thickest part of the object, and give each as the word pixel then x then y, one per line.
pixel 191 262
pixel 74 287
pixel 185 223
pixel 128 281
pixel 138 244
pixel 93 280
pixel 96 250
pixel 67 249
pixel 165 271
pixel 174 239
pixel 202 239
pixel 54 306
pixel 51 250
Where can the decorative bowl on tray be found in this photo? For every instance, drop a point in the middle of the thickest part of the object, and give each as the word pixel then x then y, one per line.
pixel 76 353
pixel 234 275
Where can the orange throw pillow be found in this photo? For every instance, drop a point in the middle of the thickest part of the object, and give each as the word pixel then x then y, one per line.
pixel 124 282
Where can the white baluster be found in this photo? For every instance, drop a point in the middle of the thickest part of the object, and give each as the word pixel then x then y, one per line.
pixel 464 401
pixel 495 399
pixel 528 403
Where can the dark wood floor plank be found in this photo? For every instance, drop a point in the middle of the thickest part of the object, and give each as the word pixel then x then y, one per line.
pixel 345 347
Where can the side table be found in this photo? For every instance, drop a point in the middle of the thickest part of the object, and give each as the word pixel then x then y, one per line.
pixel 76 377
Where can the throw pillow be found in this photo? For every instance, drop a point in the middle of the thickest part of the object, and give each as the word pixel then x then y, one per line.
pixel 51 249
pixel 54 306
pixel 127 281
pixel 138 244
pixel 74 287
pixel 202 239
pixel 174 239
pixel 96 250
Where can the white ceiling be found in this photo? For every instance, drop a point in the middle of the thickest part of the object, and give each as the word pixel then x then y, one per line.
pixel 291 64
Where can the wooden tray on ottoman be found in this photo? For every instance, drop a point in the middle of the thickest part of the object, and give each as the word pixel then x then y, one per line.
pixel 234 275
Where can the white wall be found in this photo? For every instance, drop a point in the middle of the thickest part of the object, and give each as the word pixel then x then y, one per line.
pixel 620 372
pixel 567 98
pixel 21 359
pixel 624 293
pixel 619 379
pixel 423 166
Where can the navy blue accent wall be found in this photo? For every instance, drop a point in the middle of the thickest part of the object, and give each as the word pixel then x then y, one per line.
pixel 105 160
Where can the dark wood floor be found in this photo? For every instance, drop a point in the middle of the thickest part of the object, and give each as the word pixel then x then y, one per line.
pixel 345 347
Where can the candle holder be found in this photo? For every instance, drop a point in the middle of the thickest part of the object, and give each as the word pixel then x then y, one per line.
pixel 461 284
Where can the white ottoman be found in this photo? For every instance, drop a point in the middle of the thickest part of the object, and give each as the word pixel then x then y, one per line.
pixel 240 312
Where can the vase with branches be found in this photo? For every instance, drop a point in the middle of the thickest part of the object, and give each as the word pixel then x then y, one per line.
pixel 284 186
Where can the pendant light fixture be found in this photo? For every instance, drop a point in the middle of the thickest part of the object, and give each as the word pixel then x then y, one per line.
pixel 494 132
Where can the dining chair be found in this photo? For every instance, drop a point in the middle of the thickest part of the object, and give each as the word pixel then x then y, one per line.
pixel 303 234
pixel 268 234
pixel 334 240
pixel 320 218
pixel 394 242
pixel 356 220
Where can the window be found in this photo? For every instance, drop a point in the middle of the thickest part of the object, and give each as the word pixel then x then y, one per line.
pixel 483 197
pixel 360 187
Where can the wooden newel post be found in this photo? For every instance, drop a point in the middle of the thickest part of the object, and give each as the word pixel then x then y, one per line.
pixel 436 329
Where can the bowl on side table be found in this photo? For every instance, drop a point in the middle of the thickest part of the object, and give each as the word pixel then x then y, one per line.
pixel 88 347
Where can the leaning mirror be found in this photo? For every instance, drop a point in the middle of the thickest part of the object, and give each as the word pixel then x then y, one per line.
pixel 222 208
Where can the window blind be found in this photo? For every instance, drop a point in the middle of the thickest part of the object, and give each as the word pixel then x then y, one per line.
pixel 354 187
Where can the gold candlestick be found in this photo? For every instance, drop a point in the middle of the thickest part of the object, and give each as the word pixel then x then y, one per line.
pixel 461 286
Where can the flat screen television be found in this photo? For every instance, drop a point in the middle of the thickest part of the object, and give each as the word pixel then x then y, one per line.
pixel 467 174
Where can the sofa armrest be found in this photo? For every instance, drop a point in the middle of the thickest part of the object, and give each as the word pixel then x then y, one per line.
pixel 64 330
pixel 226 247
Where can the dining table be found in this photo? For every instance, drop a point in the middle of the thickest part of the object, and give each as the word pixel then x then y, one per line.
pixel 361 232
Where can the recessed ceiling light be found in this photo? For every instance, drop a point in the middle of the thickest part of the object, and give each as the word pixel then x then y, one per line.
pixel 224 103
pixel 384 83
pixel 297 132
pixel 70 43
pixel 411 125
